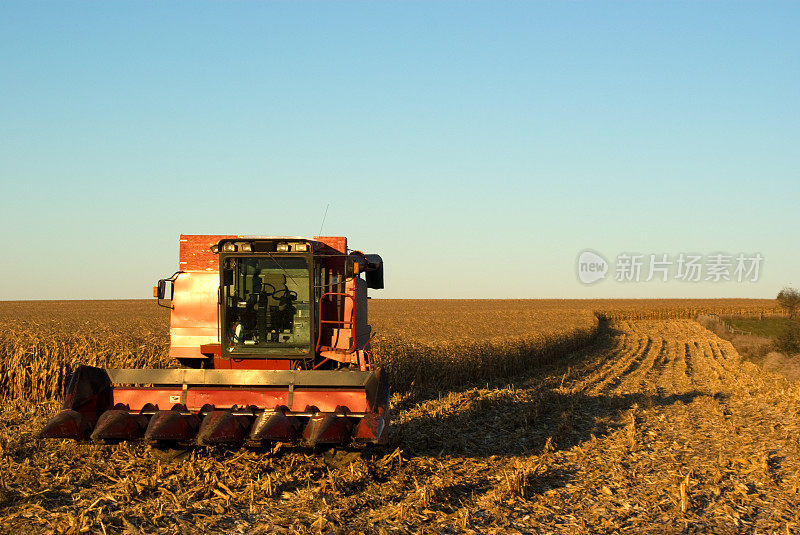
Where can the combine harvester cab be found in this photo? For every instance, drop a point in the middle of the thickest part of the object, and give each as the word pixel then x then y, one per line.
pixel 273 340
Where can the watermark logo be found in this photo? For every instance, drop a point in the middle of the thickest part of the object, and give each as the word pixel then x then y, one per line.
pixel 684 267
pixel 591 267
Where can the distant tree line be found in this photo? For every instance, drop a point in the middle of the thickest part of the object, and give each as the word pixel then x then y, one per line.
pixel 788 342
pixel 789 300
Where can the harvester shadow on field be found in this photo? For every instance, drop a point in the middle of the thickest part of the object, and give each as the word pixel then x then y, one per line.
pixel 521 415
pixel 504 425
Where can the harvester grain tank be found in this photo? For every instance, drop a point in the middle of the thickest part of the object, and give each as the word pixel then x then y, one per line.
pixel 273 344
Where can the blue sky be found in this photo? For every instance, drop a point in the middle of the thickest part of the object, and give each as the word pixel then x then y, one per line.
pixel 478 146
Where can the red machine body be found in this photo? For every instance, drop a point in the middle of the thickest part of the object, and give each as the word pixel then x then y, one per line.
pixel 272 337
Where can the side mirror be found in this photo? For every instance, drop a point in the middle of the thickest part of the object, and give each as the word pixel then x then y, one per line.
pixel 371 265
pixel 165 289
pixel 374 278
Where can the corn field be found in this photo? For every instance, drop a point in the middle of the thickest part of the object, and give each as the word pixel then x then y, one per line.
pixel 555 426
pixel 42 342
pixel 423 344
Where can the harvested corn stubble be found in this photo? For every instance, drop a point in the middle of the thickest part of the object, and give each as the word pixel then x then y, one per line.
pixel 651 426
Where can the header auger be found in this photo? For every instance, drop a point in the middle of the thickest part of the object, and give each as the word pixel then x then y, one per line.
pixel 273 340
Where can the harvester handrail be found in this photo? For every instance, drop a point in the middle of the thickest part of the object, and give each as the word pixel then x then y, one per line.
pixel 351 323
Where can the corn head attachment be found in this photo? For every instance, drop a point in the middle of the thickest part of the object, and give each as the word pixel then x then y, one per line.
pixel 274 344
pixel 224 407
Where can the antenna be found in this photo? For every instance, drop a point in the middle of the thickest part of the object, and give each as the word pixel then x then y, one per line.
pixel 323 219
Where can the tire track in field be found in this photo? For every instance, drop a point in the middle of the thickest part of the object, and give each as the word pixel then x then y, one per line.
pixel 594 366
pixel 590 366
pixel 636 380
pixel 617 364
pixel 677 381
pixel 705 373
pixel 633 366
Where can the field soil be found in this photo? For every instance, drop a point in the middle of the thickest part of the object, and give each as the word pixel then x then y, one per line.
pixel 656 427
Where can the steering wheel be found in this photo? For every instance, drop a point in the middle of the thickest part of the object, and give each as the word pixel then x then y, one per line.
pixel 286 293
pixel 263 284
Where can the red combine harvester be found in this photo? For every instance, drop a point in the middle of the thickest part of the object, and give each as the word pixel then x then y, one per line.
pixel 272 336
